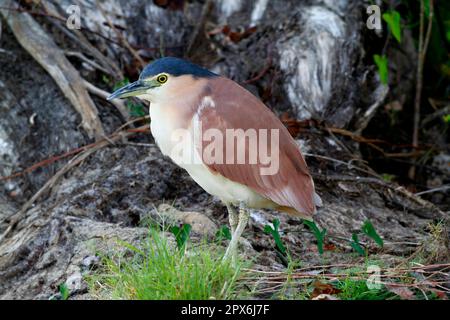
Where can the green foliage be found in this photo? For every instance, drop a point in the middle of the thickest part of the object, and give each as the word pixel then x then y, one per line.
pixel 393 19
pixel 276 235
pixel 223 233
pixel 370 231
pixel 382 64
pixel 64 291
pixel 388 177
pixel 157 271
pixel 446 118
pixel 357 290
pixel 121 83
pixel 181 234
pixel 106 79
pixel 136 110
pixel 427 7
pixel 319 234
pixel 356 245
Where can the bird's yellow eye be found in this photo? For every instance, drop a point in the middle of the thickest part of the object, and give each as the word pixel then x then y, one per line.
pixel 161 78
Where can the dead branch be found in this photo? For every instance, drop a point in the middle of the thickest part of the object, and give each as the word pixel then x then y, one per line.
pixel 85 153
pixel 423 46
pixel 374 181
pixel 44 50
pixel 119 104
pixel 432 277
pixel 439 113
pixel 85 59
pixel 52 13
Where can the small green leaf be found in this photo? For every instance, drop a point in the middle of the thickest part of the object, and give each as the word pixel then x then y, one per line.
pixel 370 231
pixel 393 19
pixel 446 118
pixel 276 235
pixel 181 234
pixel 105 79
pixel 135 109
pixel 223 233
pixel 388 177
pixel 64 291
pixel 319 234
pixel 382 64
pixel 427 7
pixel 121 83
pixel 356 245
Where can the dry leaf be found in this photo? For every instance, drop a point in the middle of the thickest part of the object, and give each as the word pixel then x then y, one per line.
pixel 329 247
pixel 321 288
pixel 403 292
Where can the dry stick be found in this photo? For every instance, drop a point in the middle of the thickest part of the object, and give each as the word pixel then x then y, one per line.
pixel 439 113
pixel 134 121
pixel 119 104
pixel 397 189
pixel 35 40
pixel 47 162
pixel 52 13
pixel 272 277
pixel 80 39
pixel 90 62
pixel 442 188
pixel 142 129
pixel 421 60
pixel 348 164
pixel 89 150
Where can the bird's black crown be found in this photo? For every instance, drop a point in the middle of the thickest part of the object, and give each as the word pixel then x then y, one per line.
pixel 175 67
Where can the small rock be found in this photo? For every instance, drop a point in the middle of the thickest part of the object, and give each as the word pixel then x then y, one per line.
pixel 90 261
pixel 199 222
pixel 73 282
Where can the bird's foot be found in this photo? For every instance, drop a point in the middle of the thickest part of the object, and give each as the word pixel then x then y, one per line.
pixel 231 251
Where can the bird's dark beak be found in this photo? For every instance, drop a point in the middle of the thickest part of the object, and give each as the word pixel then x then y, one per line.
pixel 131 90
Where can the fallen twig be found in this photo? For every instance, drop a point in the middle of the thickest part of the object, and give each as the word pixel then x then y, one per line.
pixel 433 277
pixel 53 14
pixel 45 162
pixel 347 164
pixel 44 50
pixel 119 104
pixel 423 46
pixel 442 188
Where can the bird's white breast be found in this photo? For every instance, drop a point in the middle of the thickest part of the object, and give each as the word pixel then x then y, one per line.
pixel 166 129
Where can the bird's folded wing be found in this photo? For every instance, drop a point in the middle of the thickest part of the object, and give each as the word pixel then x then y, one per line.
pixel 232 107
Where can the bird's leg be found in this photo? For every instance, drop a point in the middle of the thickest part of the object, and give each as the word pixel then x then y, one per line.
pixel 232 247
pixel 232 217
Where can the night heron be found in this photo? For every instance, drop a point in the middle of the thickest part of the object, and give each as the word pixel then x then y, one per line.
pixel 228 141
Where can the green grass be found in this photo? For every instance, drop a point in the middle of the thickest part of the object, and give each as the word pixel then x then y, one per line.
pixel 358 290
pixel 160 271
